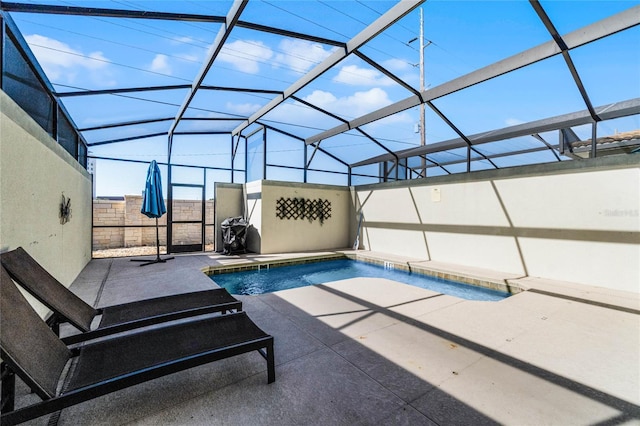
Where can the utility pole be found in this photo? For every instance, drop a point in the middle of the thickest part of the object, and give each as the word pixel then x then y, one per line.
pixel 423 162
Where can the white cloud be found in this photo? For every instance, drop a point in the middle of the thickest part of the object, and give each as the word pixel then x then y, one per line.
pixel 395 65
pixel 356 76
pixel 358 104
pixel 61 62
pixel 189 57
pixel 189 49
pixel 245 55
pixel 361 103
pixel 513 121
pixel 300 55
pixel 401 118
pixel 321 98
pixel 348 107
pixel 243 109
pixel 160 64
pixel 183 40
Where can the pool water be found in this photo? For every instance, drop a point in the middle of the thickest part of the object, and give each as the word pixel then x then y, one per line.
pixel 286 277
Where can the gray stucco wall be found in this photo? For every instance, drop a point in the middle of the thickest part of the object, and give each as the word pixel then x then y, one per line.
pixel 34 174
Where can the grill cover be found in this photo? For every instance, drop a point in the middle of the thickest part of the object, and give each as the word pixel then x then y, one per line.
pixel 234 235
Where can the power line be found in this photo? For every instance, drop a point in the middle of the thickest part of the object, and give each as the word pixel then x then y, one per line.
pixel 190 24
pixel 109 41
pixel 203 45
pixel 342 12
pixel 132 47
pixel 230 52
pixel 227 50
pixel 411 31
pixel 107 61
pixel 305 19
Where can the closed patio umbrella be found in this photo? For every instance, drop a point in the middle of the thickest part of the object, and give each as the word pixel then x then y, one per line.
pixel 152 201
pixel 153 206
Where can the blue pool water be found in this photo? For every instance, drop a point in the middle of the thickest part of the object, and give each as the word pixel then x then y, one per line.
pixel 285 277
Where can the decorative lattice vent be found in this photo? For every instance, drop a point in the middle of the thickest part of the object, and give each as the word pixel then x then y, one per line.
pixel 302 208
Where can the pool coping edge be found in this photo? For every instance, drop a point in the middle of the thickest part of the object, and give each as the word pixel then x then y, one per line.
pixel 505 285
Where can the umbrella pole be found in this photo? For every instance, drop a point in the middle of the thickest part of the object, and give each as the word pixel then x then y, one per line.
pixel 157 259
pixel 157 243
pixel 153 206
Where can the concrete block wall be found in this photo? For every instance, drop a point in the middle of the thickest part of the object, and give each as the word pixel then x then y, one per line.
pixel 108 213
pixel 192 210
pixel 136 237
pixel 127 227
pixel 186 233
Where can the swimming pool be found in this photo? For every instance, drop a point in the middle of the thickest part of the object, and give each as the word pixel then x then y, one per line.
pixel 286 277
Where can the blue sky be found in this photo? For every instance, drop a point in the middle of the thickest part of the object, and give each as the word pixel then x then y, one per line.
pixel 92 53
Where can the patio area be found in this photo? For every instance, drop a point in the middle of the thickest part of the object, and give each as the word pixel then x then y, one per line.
pixel 371 351
pixel 492 143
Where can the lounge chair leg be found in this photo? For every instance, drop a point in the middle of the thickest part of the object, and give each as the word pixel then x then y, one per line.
pixel 271 365
pixel 54 323
pixel 8 388
pixel 56 328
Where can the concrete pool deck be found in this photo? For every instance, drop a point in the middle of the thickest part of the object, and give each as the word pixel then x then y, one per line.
pixel 372 351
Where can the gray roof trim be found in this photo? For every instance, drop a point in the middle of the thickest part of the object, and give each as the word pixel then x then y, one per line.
pixel 379 25
pixel 232 18
pixel 606 112
pixel 613 24
pixel 147 14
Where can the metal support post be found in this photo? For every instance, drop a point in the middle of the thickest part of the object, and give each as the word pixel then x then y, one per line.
pixel 594 137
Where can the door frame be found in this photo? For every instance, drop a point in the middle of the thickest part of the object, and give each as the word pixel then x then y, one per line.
pixel 184 248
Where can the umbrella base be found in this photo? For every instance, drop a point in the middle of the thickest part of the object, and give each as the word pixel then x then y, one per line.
pixel 149 262
pixel 157 259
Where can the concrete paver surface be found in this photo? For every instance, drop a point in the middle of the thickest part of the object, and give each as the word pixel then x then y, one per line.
pixel 372 351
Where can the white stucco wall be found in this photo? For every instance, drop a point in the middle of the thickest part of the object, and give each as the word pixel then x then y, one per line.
pixel 270 234
pixel 34 173
pixel 576 221
pixel 254 216
pixel 569 222
pixel 228 203
pixel 580 227
pixel 285 235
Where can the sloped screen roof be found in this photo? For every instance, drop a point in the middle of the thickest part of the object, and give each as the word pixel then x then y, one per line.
pixel 336 84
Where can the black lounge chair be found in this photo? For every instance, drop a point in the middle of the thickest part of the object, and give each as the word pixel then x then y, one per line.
pixel 67 307
pixel 30 349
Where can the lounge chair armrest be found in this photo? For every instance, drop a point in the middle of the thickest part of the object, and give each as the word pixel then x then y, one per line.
pixel 95 334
